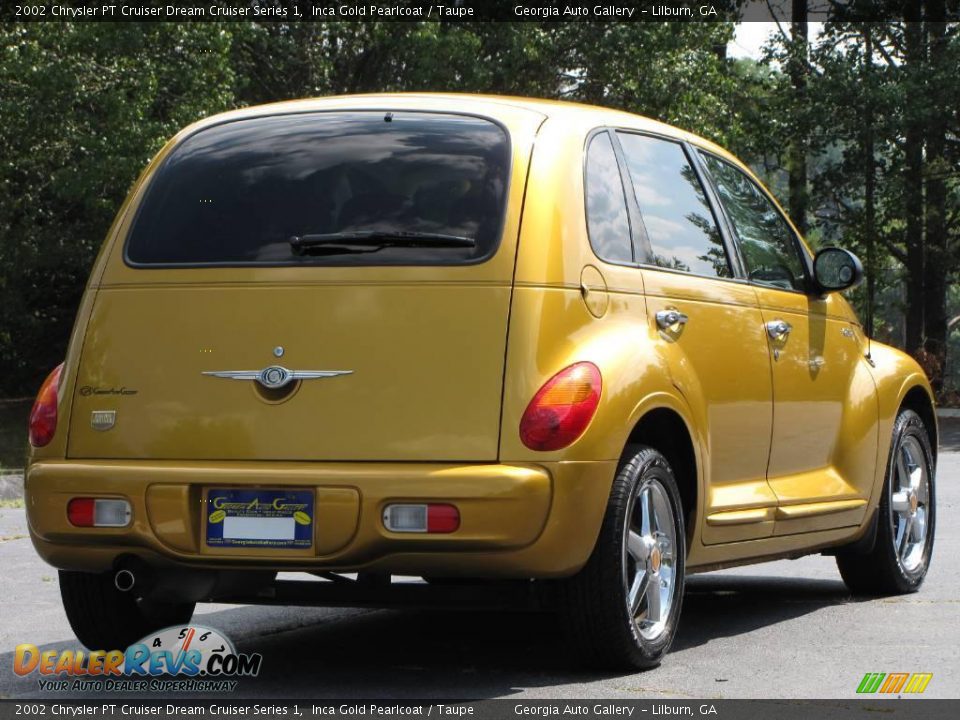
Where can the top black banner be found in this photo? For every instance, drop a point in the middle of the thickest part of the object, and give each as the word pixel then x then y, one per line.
pixel 295 11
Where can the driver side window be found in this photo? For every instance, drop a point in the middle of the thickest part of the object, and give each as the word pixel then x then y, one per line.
pixel 766 241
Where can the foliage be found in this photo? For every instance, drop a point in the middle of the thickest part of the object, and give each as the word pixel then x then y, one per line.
pixel 13 434
pixel 885 178
pixel 84 106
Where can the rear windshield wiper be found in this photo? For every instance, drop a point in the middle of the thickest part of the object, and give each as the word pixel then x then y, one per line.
pixel 373 240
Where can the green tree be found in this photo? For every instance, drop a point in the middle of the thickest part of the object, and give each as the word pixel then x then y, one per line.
pixel 881 103
pixel 82 109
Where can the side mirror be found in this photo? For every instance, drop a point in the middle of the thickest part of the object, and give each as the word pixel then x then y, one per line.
pixel 836 269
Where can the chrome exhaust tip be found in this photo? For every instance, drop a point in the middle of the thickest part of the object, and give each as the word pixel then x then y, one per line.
pixel 124 580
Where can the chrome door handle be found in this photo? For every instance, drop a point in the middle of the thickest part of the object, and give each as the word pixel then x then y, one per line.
pixel 669 318
pixel 778 329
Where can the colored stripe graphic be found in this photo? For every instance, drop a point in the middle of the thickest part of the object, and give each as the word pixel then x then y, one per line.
pixel 918 682
pixel 894 682
pixel 870 682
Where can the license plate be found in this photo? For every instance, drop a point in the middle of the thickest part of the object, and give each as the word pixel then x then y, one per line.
pixel 259 518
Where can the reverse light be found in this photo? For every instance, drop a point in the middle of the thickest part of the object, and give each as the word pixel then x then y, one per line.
pixel 43 416
pixel 562 408
pixel 421 518
pixel 98 512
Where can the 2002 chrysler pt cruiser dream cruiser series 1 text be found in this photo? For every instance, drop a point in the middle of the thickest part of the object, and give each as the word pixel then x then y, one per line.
pixel 471 339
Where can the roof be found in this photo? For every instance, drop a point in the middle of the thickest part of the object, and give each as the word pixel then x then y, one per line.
pixel 485 104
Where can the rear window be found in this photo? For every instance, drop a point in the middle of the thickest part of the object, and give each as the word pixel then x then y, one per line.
pixel 356 188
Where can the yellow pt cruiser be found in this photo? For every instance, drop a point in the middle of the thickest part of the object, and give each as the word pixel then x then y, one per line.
pixel 469 339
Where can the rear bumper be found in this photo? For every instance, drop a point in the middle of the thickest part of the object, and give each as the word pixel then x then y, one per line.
pixel 517 520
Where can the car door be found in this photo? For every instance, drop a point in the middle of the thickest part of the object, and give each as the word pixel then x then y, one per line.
pixel 711 335
pixel 823 444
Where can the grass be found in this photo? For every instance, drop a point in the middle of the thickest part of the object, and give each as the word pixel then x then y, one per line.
pixel 11 503
pixel 13 433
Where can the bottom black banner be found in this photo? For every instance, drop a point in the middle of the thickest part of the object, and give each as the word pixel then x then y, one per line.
pixel 893 709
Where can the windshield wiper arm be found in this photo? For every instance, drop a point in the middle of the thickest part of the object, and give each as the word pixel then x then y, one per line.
pixel 373 240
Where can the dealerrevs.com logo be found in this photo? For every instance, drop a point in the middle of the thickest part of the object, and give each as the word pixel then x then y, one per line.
pixel 176 659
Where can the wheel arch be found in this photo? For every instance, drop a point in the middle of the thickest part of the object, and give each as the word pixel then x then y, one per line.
pixel 665 429
pixel 901 383
pixel 918 399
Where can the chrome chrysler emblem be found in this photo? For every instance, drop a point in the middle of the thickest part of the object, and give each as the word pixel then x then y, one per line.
pixel 275 376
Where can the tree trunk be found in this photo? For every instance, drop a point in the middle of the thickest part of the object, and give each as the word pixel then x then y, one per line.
pixel 936 265
pixel 913 69
pixel 869 180
pixel 797 159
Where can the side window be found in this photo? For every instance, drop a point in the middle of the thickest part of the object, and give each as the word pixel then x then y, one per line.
pixel 607 222
pixel 766 242
pixel 680 225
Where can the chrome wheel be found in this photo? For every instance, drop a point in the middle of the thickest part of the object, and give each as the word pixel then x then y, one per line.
pixel 909 503
pixel 895 558
pixel 648 558
pixel 622 609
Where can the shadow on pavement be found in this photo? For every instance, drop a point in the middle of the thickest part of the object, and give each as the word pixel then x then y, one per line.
pixel 717 605
pixel 421 654
pixel 949 434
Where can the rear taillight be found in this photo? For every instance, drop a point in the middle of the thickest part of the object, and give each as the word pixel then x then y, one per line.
pixel 421 518
pixel 562 408
pixel 80 512
pixel 98 512
pixel 43 416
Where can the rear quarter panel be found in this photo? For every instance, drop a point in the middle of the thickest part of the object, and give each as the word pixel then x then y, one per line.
pixel 551 325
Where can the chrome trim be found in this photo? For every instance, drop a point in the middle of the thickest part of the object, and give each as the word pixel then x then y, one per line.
pixel 778 329
pixel 275 376
pixel 103 420
pixel 670 318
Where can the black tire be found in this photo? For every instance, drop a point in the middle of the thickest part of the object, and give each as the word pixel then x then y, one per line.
pixel 594 603
pixel 883 571
pixel 103 618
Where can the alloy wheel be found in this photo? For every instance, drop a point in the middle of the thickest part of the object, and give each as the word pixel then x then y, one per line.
pixel 909 503
pixel 649 561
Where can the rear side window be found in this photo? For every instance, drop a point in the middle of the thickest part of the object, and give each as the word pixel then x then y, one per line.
pixel 680 225
pixel 607 222
pixel 356 188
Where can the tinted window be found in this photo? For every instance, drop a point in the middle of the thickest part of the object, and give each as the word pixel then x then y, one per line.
pixel 679 223
pixel 766 242
pixel 607 221
pixel 236 193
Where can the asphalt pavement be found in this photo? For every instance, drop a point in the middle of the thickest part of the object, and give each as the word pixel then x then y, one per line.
pixel 782 629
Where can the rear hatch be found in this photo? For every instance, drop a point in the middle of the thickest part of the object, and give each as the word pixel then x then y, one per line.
pixel 369 253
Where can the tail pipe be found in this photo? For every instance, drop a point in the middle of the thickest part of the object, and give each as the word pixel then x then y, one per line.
pixel 133 575
pixel 124 580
